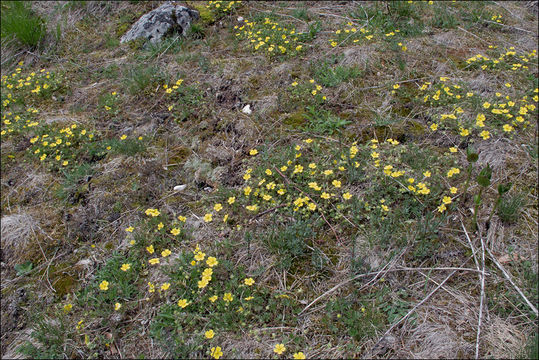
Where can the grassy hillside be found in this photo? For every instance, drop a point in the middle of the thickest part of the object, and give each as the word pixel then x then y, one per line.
pixel 379 199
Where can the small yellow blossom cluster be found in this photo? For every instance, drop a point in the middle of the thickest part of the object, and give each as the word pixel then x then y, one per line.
pixel 28 88
pixel 306 90
pixel 319 185
pixel 280 349
pixel 15 123
pixel 505 115
pixel 350 34
pixel 509 113
pixel 441 93
pixel 497 18
pixel 56 147
pixel 509 60
pixel 20 93
pixel 109 103
pixel 170 88
pixel 270 37
pixel 387 157
pixel 220 7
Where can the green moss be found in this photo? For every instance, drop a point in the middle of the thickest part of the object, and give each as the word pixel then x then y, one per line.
pixel 206 16
pixel 179 155
pixel 64 285
pixel 122 29
pixel 295 120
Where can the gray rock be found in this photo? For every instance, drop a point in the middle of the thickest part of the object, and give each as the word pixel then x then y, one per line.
pixel 160 22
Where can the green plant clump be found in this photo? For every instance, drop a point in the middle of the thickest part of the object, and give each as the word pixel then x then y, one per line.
pixel 20 22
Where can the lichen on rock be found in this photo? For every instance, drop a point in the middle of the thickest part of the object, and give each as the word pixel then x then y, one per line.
pixel 160 22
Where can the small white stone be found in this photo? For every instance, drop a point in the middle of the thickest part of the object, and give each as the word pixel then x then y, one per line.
pixel 247 109
pixel 180 187
pixel 240 18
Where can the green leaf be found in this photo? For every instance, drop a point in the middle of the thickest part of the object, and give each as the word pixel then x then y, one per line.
pixel 471 155
pixel 477 199
pixel 484 176
pixel 24 268
pixel 503 188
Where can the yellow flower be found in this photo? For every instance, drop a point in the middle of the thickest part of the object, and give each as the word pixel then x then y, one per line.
pixel 311 206
pixel 209 334
pixel 213 298
pixel 160 226
pixel 299 356
pixel 308 141
pixel 247 190
pixel 125 267
pixel 208 217
pixel 252 207
pixel 279 349
pixel 218 207
pixel 325 195
pixel 216 352
pixel 396 86
pixel 434 127
pixel 374 155
pixel 442 208
pixel 336 183
pixel 117 306
pixel 347 196
pixel 231 200
pixel 154 261
pixel 453 149
pixel 123 137
pixel 207 273
pixel 464 132
pixel 212 261
pixel 453 190
pixel 67 307
pixel 203 283
pixel 150 249
pixel 253 152
pixel 152 212
pixel 427 174
pixel 182 218
pixel 246 177
pixel 175 231
pixel 294 83
pixel 508 128
pixel 328 172
pixel 283 168
pixel 200 256
pixel 166 253
pixel 485 134
pixel 249 281
pixel 183 303
pixel 446 200
pixel 104 285
pixel 228 297
pixel 486 105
